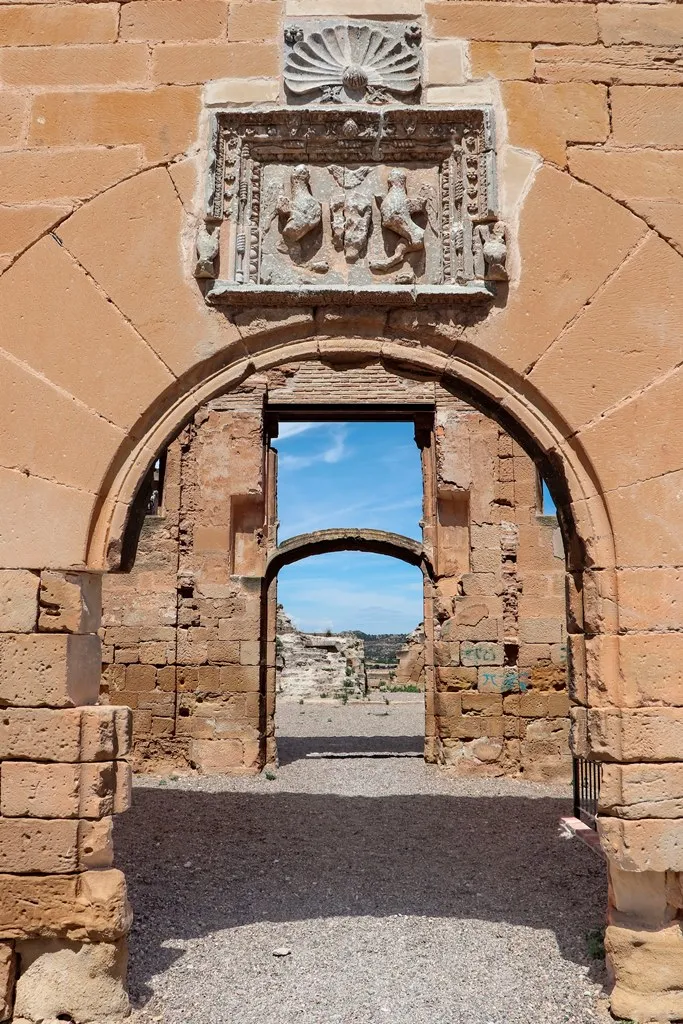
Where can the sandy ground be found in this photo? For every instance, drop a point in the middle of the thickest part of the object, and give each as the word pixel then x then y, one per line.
pixel 396 893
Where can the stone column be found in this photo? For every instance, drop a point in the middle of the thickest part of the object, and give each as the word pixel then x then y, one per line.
pixel 64 915
pixel 628 715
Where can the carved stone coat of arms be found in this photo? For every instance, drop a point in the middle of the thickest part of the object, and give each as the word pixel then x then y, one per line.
pixel 390 205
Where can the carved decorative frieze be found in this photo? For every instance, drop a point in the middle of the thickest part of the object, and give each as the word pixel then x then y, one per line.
pixel 346 62
pixel 330 204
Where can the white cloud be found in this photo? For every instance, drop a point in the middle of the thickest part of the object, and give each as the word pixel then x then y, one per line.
pixel 294 429
pixel 333 453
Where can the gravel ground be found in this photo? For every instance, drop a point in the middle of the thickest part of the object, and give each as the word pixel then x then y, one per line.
pixel 402 895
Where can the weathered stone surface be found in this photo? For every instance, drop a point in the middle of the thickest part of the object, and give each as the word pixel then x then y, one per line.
pixel 123 262
pixel 29 845
pixel 648 969
pixel 642 790
pixel 87 907
pixel 190 63
pixel 481 654
pixel 53 24
pixel 631 23
pixel 95 844
pixel 49 671
pixel 18 600
pixel 255 19
pixel 653 349
pixel 502 60
pixel 89 790
pixel 647 845
pixel 152 20
pixel 119 64
pixel 647 116
pixel 76 173
pixel 558 280
pixel 513 22
pixel 613 65
pixel 70 602
pixel 84 981
pixel 544 118
pixel 629 174
pixel 94 383
pixel 235 756
pixel 163 121
pixel 82 734
pixel 22 225
pixel 639 898
pixel 643 735
pixel 8 970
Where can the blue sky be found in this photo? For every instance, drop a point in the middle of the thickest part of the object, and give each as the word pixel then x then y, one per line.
pixel 350 474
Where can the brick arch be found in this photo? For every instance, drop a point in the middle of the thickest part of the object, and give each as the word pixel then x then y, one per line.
pixel 321 542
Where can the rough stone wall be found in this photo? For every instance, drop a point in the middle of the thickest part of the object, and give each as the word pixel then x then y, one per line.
pixel 314 665
pixel 182 629
pixel 63 776
pixel 501 704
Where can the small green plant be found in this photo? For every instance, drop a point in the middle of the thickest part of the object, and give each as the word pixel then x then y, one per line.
pixel 323 696
pixel 301 700
pixel 408 688
pixel 345 697
pixel 270 775
pixel 595 940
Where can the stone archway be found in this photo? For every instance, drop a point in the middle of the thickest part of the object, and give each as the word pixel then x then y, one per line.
pixel 128 352
pixel 319 542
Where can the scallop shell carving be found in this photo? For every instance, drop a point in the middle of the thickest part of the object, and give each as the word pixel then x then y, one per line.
pixel 352 62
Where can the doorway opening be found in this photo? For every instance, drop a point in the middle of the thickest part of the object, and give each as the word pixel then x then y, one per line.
pixel 344 618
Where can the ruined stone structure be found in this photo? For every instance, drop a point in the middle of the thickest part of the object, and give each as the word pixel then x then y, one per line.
pixel 182 628
pixel 315 665
pixel 499 218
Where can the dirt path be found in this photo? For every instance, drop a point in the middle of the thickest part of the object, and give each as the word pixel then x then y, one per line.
pixel 403 895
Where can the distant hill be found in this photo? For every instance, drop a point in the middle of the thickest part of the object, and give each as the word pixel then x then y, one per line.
pixel 380 648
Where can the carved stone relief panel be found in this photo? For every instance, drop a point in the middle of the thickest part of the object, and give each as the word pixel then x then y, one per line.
pixel 388 206
pixel 346 61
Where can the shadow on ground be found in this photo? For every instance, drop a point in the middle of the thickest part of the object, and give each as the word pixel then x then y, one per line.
pixel 198 862
pixel 295 748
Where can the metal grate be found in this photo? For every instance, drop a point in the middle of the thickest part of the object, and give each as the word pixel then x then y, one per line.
pixel 587 775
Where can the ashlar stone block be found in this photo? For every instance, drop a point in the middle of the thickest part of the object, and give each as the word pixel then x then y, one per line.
pixel 647 845
pixel 70 602
pixel 82 734
pixel 31 845
pixel 49 671
pixel 18 600
pixel 642 790
pixel 72 980
pixel 648 971
pixel 29 789
pixel 88 907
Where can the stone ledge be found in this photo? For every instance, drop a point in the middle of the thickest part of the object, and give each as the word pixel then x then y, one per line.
pixel 226 293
